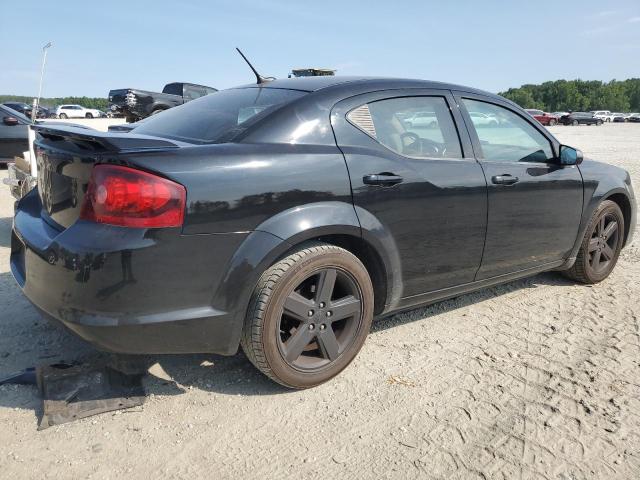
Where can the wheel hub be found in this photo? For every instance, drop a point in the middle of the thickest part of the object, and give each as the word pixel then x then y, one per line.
pixel 320 319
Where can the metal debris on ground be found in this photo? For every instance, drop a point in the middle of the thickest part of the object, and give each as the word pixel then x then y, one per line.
pixel 72 392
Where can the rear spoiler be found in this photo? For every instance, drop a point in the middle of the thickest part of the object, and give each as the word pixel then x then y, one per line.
pixel 98 141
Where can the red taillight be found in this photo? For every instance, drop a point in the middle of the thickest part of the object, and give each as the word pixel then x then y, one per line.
pixel 132 198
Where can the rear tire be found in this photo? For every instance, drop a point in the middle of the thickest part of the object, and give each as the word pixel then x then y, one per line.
pixel 309 316
pixel 600 246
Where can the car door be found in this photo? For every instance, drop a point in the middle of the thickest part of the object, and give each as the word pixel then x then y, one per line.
pixel 535 204
pixel 420 182
pixel 13 136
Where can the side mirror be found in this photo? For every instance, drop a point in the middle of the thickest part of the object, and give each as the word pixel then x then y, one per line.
pixel 10 121
pixel 570 155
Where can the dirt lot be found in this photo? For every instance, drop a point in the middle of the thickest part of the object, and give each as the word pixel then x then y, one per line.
pixel 538 378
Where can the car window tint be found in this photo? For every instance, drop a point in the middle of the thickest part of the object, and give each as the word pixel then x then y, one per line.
pixel 505 136
pixel 173 89
pixel 217 118
pixel 418 127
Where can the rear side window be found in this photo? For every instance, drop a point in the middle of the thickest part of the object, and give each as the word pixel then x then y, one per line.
pixel 505 136
pixel 417 127
pixel 219 117
pixel 173 89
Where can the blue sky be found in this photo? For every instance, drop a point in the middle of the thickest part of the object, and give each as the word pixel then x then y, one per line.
pixel 492 45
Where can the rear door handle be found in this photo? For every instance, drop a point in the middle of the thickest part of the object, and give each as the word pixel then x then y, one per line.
pixel 382 179
pixel 505 179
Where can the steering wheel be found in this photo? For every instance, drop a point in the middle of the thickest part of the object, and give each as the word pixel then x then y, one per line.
pixel 425 146
pixel 413 137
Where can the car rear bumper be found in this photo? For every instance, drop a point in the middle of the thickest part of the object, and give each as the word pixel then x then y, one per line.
pixel 126 290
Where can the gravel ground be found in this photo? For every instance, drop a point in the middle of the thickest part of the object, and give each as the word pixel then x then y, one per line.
pixel 538 378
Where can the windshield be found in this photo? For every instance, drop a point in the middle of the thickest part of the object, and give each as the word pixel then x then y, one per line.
pixel 218 117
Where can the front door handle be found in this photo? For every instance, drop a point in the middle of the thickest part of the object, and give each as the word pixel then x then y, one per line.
pixel 382 179
pixel 505 179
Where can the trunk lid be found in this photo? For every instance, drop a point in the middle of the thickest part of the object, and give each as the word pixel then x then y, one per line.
pixel 65 158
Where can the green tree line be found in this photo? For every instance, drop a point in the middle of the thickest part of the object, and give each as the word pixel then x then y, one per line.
pixel 579 95
pixel 558 95
pixel 87 102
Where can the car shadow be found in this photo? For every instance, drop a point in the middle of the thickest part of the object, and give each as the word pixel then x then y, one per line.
pixel 465 300
pixel 175 374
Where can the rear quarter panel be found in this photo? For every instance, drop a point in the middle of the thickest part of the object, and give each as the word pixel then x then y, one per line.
pixel 237 187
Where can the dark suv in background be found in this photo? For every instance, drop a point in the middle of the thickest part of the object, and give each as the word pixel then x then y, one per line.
pixel 580 118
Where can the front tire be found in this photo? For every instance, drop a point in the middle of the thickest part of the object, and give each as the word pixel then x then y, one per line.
pixel 552 123
pixel 309 316
pixel 600 246
pixel 63 116
pixel 575 123
pixel 88 115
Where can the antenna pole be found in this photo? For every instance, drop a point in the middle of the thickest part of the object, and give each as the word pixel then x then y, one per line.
pixel 260 79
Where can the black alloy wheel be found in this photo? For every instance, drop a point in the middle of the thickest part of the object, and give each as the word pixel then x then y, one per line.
pixel 600 246
pixel 320 319
pixel 603 243
pixel 309 317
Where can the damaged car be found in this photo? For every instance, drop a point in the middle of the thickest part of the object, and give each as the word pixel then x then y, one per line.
pixel 283 217
pixel 135 104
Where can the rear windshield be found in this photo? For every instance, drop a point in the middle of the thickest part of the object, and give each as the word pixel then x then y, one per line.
pixel 218 117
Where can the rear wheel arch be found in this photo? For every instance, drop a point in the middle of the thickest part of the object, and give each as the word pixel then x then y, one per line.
pixel 364 251
pixel 275 238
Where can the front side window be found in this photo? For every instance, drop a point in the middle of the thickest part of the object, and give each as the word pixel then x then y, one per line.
pixel 505 136
pixel 417 127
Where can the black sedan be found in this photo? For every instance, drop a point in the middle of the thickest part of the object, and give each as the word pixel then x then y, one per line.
pixel 14 133
pixel 580 118
pixel 284 217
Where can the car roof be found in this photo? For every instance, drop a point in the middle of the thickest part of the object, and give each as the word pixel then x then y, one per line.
pixel 314 84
